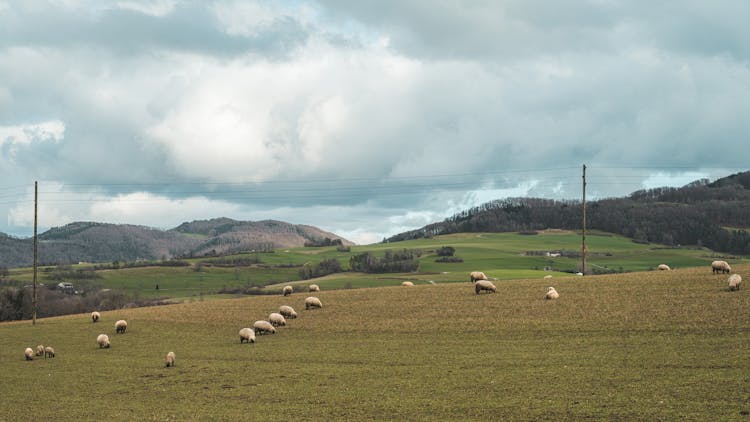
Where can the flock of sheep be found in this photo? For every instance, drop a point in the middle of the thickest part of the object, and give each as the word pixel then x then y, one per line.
pixel 482 284
pixel 278 319
pixel 275 319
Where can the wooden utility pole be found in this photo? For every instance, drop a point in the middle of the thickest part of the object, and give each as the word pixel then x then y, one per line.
pixel 583 232
pixel 33 298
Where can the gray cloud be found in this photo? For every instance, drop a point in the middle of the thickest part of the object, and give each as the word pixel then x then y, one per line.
pixel 365 118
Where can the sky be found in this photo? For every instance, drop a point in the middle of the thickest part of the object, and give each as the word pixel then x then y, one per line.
pixel 364 118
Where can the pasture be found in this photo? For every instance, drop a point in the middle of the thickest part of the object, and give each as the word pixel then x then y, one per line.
pixel 642 345
pixel 502 256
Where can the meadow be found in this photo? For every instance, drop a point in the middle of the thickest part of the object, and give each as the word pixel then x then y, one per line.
pixel 502 256
pixel 657 345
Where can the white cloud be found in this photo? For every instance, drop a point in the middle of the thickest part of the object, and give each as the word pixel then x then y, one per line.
pixel 661 179
pixel 49 131
pixel 149 7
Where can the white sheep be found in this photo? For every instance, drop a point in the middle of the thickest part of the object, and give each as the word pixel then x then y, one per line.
pixel 548 276
pixel 485 285
pixel 579 273
pixel 314 288
pixel 477 275
pixel 551 293
pixel 288 290
pixel 407 283
pixel 734 282
pixel 103 341
pixel 663 267
pixel 95 316
pixel 39 350
pixel 247 335
pixel 29 353
pixel 49 352
pixel 263 327
pixel 169 360
pixel 721 266
pixel 276 319
pixel 312 302
pixel 121 326
pixel 287 311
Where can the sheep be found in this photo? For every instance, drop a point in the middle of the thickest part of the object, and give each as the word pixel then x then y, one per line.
pixel 663 267
pixel 484 285
pixel 579 273
pixel 477 275
pixel 287 311
pixel 276 319
pixel 49 352
pixel 720 266
pixel 548 276
pixel 551 293
pixel 288 290
pixel 263 327
pixel 407 283
pixel 314 288
pixel 39 350
pixel 29 353
pixel 734 282
pixel 312 302
pixel 169 360
pixel 247 335
pixel 121 326
pixel 103 341
pixel 95 316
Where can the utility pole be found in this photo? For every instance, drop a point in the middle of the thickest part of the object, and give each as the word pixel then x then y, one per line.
pixel 583 232
pixel 33 298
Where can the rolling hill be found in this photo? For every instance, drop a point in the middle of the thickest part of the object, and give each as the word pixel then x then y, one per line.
pixel 714 215
pixel 102 242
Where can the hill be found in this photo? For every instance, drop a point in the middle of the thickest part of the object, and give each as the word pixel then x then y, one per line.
pixel 102 242
pixel 715 215
pixel 648 346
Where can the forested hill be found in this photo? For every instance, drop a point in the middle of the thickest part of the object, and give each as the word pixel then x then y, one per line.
pixel 716 215
pixel 102 242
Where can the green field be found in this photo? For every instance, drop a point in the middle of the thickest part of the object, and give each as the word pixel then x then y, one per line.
pixel 502 256
pixel 645 345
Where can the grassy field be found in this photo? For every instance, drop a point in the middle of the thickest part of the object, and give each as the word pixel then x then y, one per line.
pixel 500 255
pixel 644 345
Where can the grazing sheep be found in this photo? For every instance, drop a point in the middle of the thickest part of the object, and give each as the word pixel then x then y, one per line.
pixel 579 273
pixel 247 335
pixel 734 282
pixel 103 341
pixel 720 266
pixel 49 352
pixel 312 302
pixel 287 311
pixel 29 353
pixel 263 327
pixel 121 326
pixel 484 285
pixel 314 288
pixel 477 275
pixel 407 283
pixel 169 360
pixel 277 320
pixel 548 276
pixel 95 316
pixel 551 293
pixel 288 290
pixel 39 350
pixel 663 267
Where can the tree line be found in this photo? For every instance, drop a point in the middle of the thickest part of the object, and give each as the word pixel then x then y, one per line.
pixel 712 215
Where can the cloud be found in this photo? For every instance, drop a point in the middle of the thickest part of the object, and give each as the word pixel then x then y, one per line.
pixel 361 118
pixel 52 131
